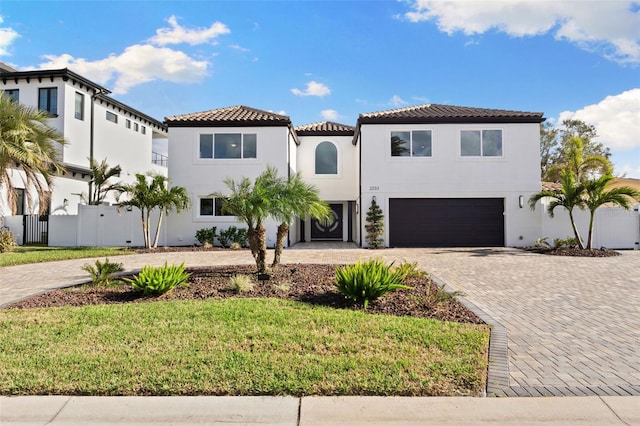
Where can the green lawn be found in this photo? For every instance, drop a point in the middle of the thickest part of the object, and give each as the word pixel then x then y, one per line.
pixel 236 347
pixel 34 254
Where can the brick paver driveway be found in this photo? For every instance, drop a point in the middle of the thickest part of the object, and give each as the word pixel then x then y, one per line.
pixel 572 324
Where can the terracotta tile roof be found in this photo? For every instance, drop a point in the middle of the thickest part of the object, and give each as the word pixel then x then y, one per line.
pixel 551 186
pixel 239 115
pixel 325 128
pixel 433 113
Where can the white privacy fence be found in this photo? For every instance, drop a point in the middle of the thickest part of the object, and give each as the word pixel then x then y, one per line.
pixel 614 227
pixel 102 226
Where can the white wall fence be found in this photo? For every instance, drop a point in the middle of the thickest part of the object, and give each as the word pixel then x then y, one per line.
pixel 614 227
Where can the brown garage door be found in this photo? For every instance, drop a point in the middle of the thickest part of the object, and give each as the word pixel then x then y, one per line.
pixel 446 222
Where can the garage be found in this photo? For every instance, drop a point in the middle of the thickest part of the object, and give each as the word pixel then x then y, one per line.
pixel 446 222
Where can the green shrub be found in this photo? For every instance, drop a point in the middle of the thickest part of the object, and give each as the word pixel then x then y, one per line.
pixel 569 242
pixel 154 281
pixel 7 240
pixel 241 283
pixel 206 236
pixel 233 235
pixel 102 272
pixel 363 282
pixel 542 242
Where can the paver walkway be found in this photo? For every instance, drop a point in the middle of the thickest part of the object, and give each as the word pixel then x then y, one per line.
pixel 572 325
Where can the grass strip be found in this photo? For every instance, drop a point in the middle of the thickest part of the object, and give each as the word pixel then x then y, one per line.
pixel 236 347
pixel 34 254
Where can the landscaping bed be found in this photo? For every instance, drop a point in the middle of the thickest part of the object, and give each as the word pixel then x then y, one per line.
pixel 572 251
pixel 310 283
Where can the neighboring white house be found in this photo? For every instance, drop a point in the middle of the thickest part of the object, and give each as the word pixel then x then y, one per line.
pixel 207 147
pixel 93 124
pixel 451 176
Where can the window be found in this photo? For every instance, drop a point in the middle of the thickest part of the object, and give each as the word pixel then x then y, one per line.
pixel 228 145
pixel 481 143
pixel 19 201
pixel 14 94
pixel 411 143
pixel 112 117
pixel 211 206
pixel 48 100
pixel 79 106
pixel 326 159
pixel 127 123
pixel 135 126
pixel 143 130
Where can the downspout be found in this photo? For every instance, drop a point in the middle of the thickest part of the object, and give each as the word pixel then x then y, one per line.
pixel 93 100
pixel 359 215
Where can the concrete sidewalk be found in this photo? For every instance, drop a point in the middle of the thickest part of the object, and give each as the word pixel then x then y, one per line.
pixel 325 411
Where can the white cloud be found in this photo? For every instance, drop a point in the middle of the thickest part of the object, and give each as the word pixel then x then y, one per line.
pixel 136 65
pixel 141 63
pixel 7 37
pixel 239 48
pixel 616 118
pixel 397 101
pixel 611 28
pixel 313 89
pixel 178 34
pixel 330 114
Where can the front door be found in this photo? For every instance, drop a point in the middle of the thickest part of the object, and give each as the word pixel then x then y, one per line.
pixel 330 229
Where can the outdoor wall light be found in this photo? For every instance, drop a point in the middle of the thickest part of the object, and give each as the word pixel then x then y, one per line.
pixel 65 203
pixel 373 198
pixel 521 201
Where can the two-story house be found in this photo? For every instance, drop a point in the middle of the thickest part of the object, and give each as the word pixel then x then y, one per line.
pixel 93 124
pixel 443 175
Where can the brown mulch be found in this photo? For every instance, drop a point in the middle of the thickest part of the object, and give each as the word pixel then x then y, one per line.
pixel 309 283
pixel 572 251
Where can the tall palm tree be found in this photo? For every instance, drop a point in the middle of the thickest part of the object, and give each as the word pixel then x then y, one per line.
pixel 295 198
pixel 251 202
pixel 148 195
pixel 597 196
pixel 28 144
pixel 570 197
pixel 100 186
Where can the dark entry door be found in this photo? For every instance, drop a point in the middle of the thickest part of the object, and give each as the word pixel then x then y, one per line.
pixel 331 229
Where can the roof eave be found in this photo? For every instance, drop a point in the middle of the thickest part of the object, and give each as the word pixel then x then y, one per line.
pixel 226 123
pixel 449 120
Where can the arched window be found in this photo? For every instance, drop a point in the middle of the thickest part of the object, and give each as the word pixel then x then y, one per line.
pixel 326 159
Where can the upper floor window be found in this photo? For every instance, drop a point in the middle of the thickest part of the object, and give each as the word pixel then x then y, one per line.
pixel 135 126
pixel 143 130
pixel 14 94
pixel 79 106
pixel 211 207
pixel 326 159
pixel 48 100
pixel 228 145
pixel 481 143
pixel 411 143
pixel 112 117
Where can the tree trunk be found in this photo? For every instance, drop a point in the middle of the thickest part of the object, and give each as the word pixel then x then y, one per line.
pixel 575 230
pixel 283 230
pixel 155 239
pixel 590 236
pixel 258 246
pixel 145 234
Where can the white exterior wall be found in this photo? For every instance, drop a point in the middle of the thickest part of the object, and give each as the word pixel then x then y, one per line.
pixel 446 174
pixel 340 187
pixel 204 176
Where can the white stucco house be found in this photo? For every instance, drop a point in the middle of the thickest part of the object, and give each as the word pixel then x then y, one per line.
pixel 93 124
pixel 443 175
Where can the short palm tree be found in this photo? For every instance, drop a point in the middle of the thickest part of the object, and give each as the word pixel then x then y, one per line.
pixel 295 198
pixel 597 196
pixel 147 195
pixel 100 186
pixel 570 197
pixel 29 145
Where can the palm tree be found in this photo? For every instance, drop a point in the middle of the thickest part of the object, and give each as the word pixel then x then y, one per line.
pixel 597 196
pixel 570 196
pixel 295 198
pixel 99 186
pixel 30 145
pixel 251 203
pixel 147 196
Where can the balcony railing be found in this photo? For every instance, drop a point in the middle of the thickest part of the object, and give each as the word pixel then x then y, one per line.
pixel 159 159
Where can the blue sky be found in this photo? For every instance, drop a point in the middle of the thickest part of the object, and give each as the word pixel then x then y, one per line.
pixel 324 60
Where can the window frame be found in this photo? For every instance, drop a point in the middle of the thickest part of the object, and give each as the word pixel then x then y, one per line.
pixel 143 130
pixel 113 115
pixel 135 126
pixel 315 159
pixel 212 147
pixel 78 112
pixel 216 208
pixel 411 139
pixel 14 94
pixel 127 123
pixel 482 145
pixel 51 102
